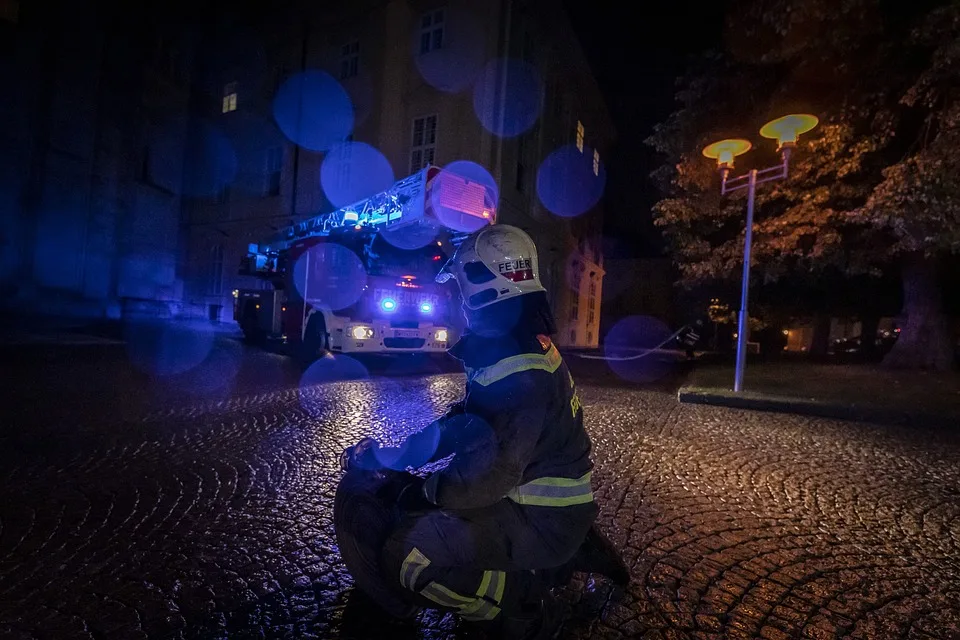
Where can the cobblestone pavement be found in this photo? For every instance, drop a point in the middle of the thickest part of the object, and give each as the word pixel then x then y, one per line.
pixel 127 513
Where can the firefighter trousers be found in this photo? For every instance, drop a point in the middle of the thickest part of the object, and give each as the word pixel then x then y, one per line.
pixel 480 562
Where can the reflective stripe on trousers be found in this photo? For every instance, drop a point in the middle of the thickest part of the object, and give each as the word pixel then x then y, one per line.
pixel 553 492
pixel 484 605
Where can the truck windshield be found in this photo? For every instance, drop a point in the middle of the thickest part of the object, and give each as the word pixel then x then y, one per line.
pixel 383 259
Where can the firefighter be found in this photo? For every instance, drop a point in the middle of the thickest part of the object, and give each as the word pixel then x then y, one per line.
pixel 483 536
pixel 689 337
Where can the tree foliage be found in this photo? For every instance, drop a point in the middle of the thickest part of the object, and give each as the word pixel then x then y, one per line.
pixel 879 177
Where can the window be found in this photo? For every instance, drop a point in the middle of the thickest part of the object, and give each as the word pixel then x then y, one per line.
pixel 591 315
pixel 431 31
pixel 423 148
pixel 343 169
pixel 526 52
pixel 229 97
pixel 579 136
pixel 521 169
pixel 596 162
pixel 575 310
pixel 589 337
pixel 274 171
pixel 215 271
pixel 349 60
pixel 10 10
pixel 573 337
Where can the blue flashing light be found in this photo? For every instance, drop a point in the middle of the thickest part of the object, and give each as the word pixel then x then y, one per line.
pixel 388 304
pixel 426 307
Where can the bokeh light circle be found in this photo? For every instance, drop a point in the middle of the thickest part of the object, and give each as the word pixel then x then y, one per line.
pixel 414 451
pixel 331 368
pixel 635 336
pixel 329 275
pixel 454 66
pixel 463 185
pixel 412 237
pixel 509 108
pixel 165 349
pixel 313 110
pixel 213 379
pixel 353 171
pixel 567 184
pixel 414 364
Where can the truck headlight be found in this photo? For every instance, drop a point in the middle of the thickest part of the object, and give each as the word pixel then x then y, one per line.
pixel 362 333
pixel 442 335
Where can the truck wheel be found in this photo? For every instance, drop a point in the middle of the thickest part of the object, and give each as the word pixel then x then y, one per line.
pixel 316 340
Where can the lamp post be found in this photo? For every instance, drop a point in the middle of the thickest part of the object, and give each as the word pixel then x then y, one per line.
pixel 785 131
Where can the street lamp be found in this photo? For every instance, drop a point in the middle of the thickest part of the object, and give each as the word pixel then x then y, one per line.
pixel 785 131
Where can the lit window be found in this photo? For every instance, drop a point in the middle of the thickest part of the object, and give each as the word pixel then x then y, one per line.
pixel 579 136
pixel 349 60
pixel 596 162
pixel 229 97
pixel 424 143
pixel 431 31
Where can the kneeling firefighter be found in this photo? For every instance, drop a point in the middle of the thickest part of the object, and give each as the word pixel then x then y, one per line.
pixel 488 535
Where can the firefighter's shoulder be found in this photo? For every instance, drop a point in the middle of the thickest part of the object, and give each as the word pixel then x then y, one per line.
pixel 518 368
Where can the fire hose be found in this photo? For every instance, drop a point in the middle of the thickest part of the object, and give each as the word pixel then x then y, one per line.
pixel 633 357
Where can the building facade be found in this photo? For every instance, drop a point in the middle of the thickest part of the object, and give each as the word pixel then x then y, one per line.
pixel 392 58
pixel 92 205
pixel 140 156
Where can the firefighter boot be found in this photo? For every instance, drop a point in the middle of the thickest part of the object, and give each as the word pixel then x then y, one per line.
pixel 598 555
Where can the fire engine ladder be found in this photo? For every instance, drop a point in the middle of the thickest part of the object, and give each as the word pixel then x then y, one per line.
pixel 401 204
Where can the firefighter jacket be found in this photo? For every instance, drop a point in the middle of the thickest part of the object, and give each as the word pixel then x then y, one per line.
pixel 517 434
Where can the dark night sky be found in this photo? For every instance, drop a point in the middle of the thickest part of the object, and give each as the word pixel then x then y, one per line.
pixel 636 60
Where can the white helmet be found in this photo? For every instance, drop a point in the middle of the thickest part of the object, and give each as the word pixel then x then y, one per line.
pixel 493 264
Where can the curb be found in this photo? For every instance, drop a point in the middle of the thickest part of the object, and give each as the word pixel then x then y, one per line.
pixel 810 407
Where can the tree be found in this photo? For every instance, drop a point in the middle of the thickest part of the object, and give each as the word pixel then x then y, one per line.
pixel 873 189
pixel 917 204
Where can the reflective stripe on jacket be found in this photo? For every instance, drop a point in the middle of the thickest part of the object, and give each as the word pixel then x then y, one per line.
pixel 522 434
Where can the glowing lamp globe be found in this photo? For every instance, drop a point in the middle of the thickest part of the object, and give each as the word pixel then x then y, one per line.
pixel 726 150
pixel 787 129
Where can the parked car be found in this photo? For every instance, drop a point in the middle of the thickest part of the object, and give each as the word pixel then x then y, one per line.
pixel 851 349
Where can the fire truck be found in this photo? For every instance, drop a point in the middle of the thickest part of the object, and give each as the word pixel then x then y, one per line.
pixel 361 279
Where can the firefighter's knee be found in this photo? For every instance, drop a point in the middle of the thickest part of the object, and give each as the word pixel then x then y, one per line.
pixel 481 603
